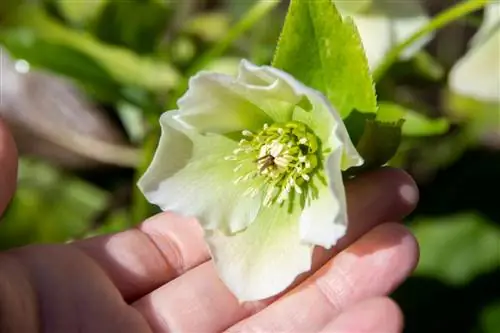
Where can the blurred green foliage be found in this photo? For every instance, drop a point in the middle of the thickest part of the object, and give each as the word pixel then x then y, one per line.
pixel 133 59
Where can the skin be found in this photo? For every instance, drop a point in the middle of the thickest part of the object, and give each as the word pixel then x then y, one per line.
pixel 158 276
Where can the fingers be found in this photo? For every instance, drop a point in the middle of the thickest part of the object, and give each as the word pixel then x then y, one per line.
pixel 373 266
pixel 372 199
pixel 8 166
pixel 56 288
pixel 376 315
pixel 142 259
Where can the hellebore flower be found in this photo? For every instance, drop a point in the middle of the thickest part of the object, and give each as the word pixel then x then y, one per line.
pixel 383 24
pixel 477 74
pixel 258 160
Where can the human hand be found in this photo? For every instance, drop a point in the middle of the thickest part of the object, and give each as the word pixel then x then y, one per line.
pixel 158 276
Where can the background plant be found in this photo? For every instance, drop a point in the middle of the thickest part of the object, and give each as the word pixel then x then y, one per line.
pixel 85 82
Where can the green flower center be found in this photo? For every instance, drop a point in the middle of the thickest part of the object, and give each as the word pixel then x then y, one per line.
pixel 285 155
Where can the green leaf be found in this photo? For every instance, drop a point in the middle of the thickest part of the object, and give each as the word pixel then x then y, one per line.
pixel 209 27
pixel 324 51
pixel 490 318
pixel 356 124
pixel 416 124
pixel 456 248
pixel 123 23
pixel 379 142
pixel 428 66
pixel 58 58
pixel 124 66
pixel 49 206
pixel 80 12
pixel 375 136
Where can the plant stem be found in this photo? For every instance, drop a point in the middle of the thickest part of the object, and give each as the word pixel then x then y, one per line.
pixel 252 17
pixel 444 18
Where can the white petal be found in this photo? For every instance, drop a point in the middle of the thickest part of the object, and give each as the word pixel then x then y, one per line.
pixel 387 24
pixel 264 259
pixel 477 74
pixel 490 23
pixel 172 154
pixel 198 181
pixel 324 221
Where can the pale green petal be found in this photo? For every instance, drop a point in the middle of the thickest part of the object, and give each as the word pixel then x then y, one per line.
pixel 264 259
pixel 321 117
pixel 386 24
pixel 273 92
pixel 190 176
pixel 477 74
pixel 222 104
pixel 216 103
pixel 315 111
pixel 324 221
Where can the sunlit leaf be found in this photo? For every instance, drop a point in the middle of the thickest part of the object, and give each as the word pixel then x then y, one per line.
pixel 324 51
pixel 80 12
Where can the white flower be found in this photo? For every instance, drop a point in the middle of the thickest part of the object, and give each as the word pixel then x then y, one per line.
pixel 257 159
pixel 477 74
pixel 383 24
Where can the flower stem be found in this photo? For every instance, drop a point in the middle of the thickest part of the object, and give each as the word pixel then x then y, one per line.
pixel 441 20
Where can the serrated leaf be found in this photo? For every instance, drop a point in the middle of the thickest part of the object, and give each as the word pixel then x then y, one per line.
pixel 376 136
pixel 324 51
pixel 356 124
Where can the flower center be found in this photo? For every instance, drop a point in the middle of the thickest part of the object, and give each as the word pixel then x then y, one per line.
pixel 284 154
